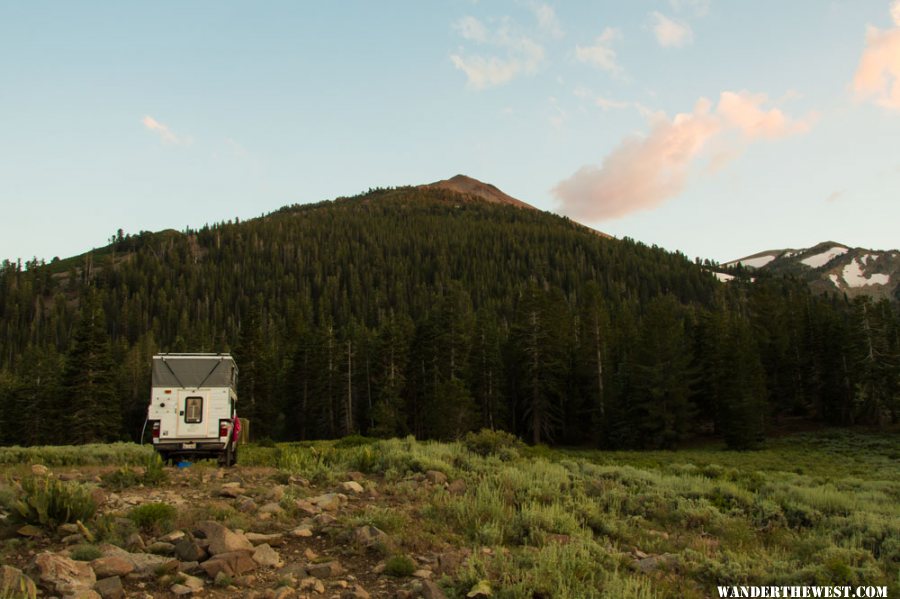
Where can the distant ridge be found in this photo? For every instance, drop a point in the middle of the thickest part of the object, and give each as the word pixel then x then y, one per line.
pixel 832 267
pixel 468 186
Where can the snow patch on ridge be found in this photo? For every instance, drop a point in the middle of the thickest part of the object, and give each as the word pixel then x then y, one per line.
pixel 824 258
pixel 757 262
pixel 854 277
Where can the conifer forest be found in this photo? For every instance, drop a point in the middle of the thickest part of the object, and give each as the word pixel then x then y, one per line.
pixel 425 312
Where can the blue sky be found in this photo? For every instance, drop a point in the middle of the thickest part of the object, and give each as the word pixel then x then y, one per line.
pixel 711 127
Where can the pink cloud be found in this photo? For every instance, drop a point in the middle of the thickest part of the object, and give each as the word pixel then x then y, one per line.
pixel 878 74
pixel 642 172
pixel 743 110
pixel 166 134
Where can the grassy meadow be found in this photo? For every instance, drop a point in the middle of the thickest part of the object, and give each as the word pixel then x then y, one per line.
pixel 808 509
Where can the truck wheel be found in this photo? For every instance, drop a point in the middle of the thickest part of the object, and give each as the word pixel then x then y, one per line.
pixel 227 457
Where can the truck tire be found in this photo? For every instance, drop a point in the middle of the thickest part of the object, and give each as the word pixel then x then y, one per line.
pixel 228 457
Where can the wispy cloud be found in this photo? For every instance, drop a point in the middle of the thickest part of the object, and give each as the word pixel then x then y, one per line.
pixel 548 22
pixel 877 77
pixel 608 104
pixel 669 32
pixel 601 53
pixel 165 134
pixel 644 171
pixel 519 54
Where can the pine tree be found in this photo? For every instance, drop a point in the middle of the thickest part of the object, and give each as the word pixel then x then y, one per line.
pixel 660 377
pixel 87 406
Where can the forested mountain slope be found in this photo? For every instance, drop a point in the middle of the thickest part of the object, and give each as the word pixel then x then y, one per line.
pixel 409 310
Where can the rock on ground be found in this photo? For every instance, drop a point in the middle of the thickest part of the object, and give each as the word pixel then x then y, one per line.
pixel 63 575
pixel 223 540
pixel 325 569
pixel 267 557
pixel 233 563
pixel 113 565
pixel 110 588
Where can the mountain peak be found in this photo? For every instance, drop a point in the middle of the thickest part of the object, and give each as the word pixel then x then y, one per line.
pixel 473 187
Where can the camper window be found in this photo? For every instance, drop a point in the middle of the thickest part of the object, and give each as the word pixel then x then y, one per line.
pixel 193 410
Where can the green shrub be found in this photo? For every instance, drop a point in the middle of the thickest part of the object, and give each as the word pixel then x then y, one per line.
pixel 353 441
pixel 48 502
pixel 154 472
pixel 153 517
pixel 120 479
pixel 493 442
pixel 399 566
pixel 85 553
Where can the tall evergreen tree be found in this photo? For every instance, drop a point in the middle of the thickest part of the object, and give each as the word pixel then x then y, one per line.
pixel 87 406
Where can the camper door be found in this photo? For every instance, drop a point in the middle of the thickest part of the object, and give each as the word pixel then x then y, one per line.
pixel 193 412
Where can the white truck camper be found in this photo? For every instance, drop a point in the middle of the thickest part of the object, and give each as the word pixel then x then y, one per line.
pixel 192 407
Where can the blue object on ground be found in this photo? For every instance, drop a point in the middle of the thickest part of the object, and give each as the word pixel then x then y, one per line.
pixel 184 464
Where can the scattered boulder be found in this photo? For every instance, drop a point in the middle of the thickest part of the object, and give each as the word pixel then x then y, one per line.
pixel 40 470
pixel 161 548
pixel 271 508
pixel 423 573
pixel 187 550
pixel 232 492
pixel 145 563
pixel 323 520
pixel 172 537
pixel 232 563
pixel 306 507
pixel 63 575
pixel 356 592
pixel 369 535
pixel 110 588
pixel 303 530
pixel 135 541
pixel 14 583
pixel 181 590
pixel 246 505
pixel 312 584
pixel 294 571
pixel 330 502
pixel 436 477
pixel 267 557
pixel 283 592
pixel 276 493
pixel 352 486
pixel 105 567
pixel 223 540
pixel 193 583
pixel 325 569
pixel 189 567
